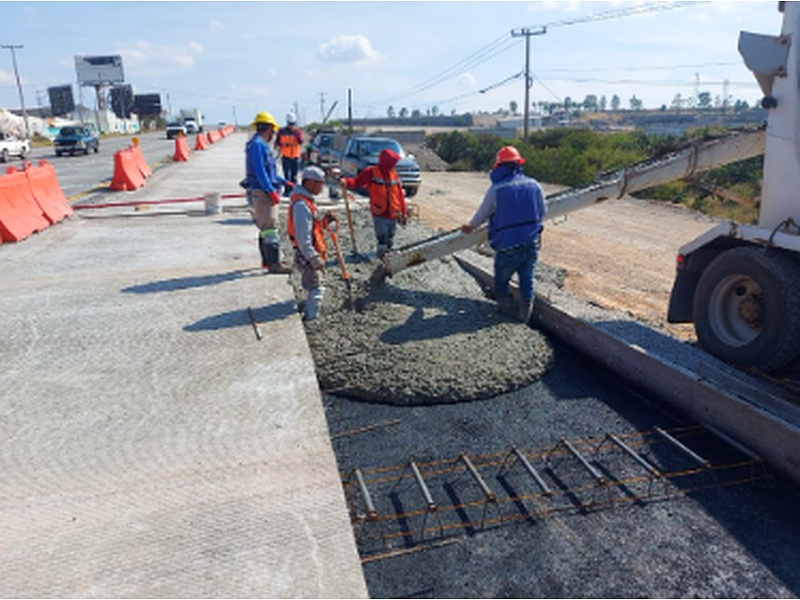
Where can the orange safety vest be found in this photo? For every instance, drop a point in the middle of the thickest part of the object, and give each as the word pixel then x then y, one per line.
pixel 386 195
pixel 317 232
pixel 290 146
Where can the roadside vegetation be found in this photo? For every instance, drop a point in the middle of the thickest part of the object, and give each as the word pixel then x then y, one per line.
pixel 575 157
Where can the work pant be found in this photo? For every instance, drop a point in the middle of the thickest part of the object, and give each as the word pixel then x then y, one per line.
pixel 384 232
pixel 311 281
pixel 290 168
pixel 520 260
pixel 266 215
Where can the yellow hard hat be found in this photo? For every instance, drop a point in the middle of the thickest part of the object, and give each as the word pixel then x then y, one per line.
pixel 265 117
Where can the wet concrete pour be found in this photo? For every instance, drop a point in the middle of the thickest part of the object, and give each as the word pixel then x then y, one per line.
pixel 731 539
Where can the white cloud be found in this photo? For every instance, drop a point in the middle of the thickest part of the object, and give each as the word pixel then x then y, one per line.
pixel 466 78
pixel 144 59
pixel 215 26
pixel 353 49
pixel 7 78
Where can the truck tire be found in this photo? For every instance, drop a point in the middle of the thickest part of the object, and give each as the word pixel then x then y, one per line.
pixel 4 155
pixel 747 308
pixel 410 192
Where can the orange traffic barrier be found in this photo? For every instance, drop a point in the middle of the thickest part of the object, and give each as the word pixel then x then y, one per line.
pixel 47 192
pixel 127 174
pixel 202 142
pixel 181 149
pixel 213 136
pixel 20 214
pixel 141 163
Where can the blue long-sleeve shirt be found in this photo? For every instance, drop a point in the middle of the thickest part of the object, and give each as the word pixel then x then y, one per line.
pixel 261 166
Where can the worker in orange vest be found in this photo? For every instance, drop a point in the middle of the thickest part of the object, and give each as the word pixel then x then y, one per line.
pixel 306 230
pixel 387 201
pixel 289 142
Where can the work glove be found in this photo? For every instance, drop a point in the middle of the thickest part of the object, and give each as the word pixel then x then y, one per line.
pixel 402 219
pixel 289 185
pixel 330 221
pixel 274 197
pixel 467 229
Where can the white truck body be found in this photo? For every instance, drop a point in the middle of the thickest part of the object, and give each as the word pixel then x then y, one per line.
pixel 192 119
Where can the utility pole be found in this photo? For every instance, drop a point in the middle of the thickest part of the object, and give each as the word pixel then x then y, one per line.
pixel 322 105
pixel 13 47
pixel 527 32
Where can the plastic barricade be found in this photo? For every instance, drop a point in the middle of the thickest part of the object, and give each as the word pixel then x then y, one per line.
pixel 47 192
pixel 141 162
pixel 181 149
pixel 201 142
pixel 20 214
pixel 127 174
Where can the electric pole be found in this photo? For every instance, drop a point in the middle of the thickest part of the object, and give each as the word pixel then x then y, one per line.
pixel 527 32
pixel 13 47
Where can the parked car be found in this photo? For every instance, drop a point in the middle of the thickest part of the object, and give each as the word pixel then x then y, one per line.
pixel 174 129
pixel 321 151
pixel 361 151
pixel 76 138
pixel 11 145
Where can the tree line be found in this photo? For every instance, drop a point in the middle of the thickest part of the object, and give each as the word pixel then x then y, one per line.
pixel 576 157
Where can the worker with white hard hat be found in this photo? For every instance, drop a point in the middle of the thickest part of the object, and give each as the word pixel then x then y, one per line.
pixel 289 142
pixel 306 229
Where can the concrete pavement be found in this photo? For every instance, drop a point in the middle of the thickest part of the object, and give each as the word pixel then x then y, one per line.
pixel 151 444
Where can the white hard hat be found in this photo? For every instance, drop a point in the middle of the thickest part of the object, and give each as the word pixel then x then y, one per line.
pixel 290 118
pixel 313 173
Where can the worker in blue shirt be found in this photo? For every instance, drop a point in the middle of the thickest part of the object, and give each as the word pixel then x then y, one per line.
pixel 264 183
pixel 514 206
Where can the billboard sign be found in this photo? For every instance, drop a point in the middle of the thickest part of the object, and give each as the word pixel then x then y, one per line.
pixel 61 100
pixel 147 105
pixel 99 70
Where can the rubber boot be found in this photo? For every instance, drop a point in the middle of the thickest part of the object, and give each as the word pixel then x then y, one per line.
pixel 264 248
pixel 274 264
pixel 525 310
pixel 506 307
pixel 313 304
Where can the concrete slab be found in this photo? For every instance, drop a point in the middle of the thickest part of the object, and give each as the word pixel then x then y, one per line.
pixel 151 445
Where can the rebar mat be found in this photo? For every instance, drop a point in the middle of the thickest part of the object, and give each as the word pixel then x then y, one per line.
pixel 396 509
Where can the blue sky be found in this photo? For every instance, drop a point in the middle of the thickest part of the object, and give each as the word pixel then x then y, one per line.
pixel 232 59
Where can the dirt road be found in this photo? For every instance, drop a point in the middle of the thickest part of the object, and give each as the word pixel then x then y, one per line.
pixel 618 255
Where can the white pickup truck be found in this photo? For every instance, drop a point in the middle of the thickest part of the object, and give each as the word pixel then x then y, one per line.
pixel 10 145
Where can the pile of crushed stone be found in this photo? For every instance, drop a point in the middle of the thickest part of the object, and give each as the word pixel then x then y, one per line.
pixel 428 335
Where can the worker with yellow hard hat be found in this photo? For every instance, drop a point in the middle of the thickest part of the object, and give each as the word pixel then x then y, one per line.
pixel 263 184
pixel 514 207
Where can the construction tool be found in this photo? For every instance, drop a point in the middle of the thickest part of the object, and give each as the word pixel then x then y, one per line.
pixel 332 227
pixel 347 197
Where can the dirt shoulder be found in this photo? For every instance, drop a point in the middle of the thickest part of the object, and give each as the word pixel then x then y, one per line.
pixel 617 255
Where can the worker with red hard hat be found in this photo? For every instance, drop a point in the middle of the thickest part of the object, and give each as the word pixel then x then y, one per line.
pixel 514 207
pixel 387 201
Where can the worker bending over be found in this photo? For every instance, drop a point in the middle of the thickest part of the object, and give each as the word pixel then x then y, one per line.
pixel 306 230
pixel 514 206
pixel 387 201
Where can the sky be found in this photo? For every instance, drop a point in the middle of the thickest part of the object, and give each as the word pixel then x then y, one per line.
pixel 234 59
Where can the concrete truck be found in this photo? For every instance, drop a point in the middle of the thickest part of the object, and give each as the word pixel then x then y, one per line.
pixel 739 284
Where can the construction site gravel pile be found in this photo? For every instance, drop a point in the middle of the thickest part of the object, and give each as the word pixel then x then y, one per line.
pixel 427 335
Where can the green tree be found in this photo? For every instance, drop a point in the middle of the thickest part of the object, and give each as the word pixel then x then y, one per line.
pixel 590 103
pixel 615 103
pixel 390 112
pixel 704 100
pixel 403 113
pixel 635 103
pixel 513 106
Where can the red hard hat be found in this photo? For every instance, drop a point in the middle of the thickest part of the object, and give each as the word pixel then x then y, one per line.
pixel 508 154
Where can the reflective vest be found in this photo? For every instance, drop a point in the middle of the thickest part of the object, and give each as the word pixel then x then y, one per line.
pixel 519 210
pixel 317 231
pixel 289 144
pixel 385 195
